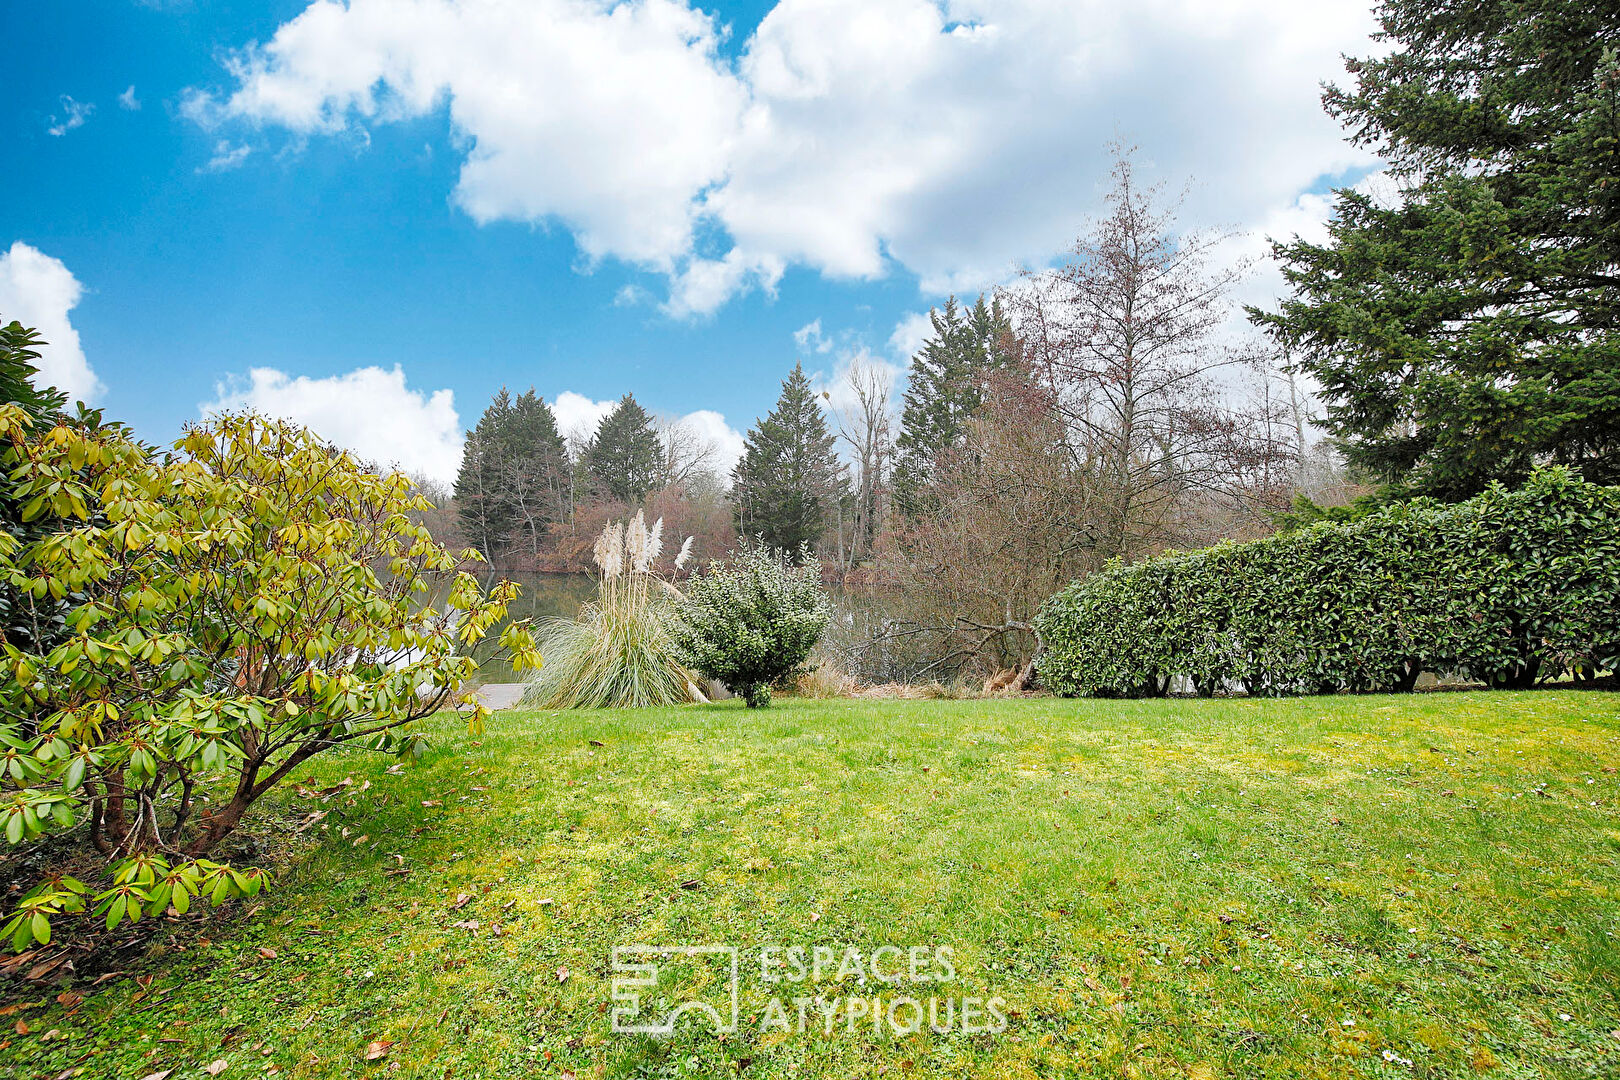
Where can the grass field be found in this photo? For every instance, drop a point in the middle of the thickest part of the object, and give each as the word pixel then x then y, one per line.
pixel 1352 886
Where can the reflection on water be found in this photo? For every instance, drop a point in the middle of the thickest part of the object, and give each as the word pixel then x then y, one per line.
pixel 859 639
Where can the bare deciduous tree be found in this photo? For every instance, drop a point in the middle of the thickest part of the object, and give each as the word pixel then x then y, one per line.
pixel 1126 335
pixel 689 454
pixel 865 425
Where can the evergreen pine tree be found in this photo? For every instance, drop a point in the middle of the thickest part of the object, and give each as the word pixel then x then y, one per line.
pixel 942 391
pixel 533 470
pixel 514 477
pixel 1463 326
pixel 625 456
pixel 486 519
pixel 788 484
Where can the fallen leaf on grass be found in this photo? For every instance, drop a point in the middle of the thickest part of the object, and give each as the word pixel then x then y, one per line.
pixel 378 1050
pixel 268 954
pixel 214 1068
pixel 691 883
pixel 163 1074
pixel 562 974
pixel 461 901
pixel 466 924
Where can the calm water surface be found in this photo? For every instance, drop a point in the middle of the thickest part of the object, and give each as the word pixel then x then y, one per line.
pixel 855 640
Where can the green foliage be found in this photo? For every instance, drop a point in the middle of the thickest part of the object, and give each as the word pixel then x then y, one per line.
pixel 618 652
pixel 515 476
pixel 34 623
pixel 789 482
pixel 232 609
pixel 943 391
pixel 752 621
pixel 1463 330
pixel 1508 587
pixel 625 457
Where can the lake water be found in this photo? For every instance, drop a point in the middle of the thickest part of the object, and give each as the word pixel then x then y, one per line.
pixel 858 639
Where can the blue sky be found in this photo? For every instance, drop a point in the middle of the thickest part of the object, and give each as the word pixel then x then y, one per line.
pixel 235 203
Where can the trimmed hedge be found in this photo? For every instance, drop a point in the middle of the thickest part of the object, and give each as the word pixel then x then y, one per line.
pixel 1506 588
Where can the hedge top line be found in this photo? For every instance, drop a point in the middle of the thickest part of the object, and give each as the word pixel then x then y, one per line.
pixel 1507 587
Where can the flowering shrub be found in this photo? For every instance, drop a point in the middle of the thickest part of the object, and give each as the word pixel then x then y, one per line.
pixel 752 622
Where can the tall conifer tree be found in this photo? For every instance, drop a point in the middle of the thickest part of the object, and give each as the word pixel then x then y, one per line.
pixel 485 519
pixel 1465 325
pixel 788 484
pixel 625 456
pixel 943 390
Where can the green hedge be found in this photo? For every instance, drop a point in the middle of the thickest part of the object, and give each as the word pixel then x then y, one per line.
pixel 1506 588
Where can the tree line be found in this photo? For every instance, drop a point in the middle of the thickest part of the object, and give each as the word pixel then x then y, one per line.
pixel 1457 328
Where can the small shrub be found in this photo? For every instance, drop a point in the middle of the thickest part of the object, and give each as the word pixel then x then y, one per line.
pixel 751 622
pixel 618 652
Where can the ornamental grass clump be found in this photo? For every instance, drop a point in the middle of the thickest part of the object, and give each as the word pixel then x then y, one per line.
pixel 618 652
pixel 751 622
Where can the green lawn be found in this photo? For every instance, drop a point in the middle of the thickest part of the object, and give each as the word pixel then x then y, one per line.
pixel 1348 886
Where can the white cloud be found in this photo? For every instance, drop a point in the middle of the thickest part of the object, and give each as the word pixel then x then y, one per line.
pixel 953 138
pixel 631 295
pixel 910 332
pixel 577 418
pixel 370 411
pixel 226 156
pixel 809 338
pixel 128 101
pixel 39 291
pixel 726 440
pixel 74 115
pixel 608 117
pixel 577 415
pixel 849 353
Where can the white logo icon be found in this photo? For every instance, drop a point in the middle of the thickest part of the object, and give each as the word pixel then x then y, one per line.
pixel 635 975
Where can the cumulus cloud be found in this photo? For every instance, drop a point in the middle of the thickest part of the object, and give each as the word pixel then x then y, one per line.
pixel 608 117
pixel 577 415
pixel 74 115
pixel 909 334
pixel 128 101
pixel 39 291
pixel 852 361
pixel 727 441
pixel 952 138
pixel 370 411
